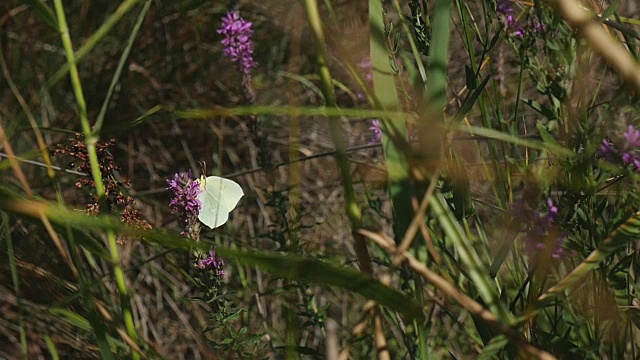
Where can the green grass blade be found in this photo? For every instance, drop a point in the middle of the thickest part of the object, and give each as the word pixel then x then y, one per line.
pixel 620 237
pixel 282 111
pixel 317 272
pixel 507 138
pixel 352 208
pixel 16 282
pixel 91 139
pixel 51 346
pixel 439 58
pixel 94 39
pixel 72 318
pixel 394 129
pixel 45 12
pixel 469 258
pixel 123 59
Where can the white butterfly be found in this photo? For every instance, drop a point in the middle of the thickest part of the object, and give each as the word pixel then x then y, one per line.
pixel 218 197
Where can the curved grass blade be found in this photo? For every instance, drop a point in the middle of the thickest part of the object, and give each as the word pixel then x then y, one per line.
pixel 314 271
pixel 620 237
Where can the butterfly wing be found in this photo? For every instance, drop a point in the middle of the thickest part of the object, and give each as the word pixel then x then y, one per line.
pixel 228 192
pixel 218 198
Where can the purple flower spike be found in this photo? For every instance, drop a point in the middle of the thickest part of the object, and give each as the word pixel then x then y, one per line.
pixel 376 130
pixel 185 201
pixel 185 192
pixel 213 262
pixel 237 42
pixel 511 23
pixel 542 234
pixel 632 136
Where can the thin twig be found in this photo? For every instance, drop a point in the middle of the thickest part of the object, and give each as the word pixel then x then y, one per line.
pixel 465 301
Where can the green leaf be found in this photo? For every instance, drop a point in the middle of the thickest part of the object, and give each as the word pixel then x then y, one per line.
pixel 610 10
pixel 470 100
pixel 470 77
pixel 45 13
pixel 72 318
pixel 545 111
pixel 493 348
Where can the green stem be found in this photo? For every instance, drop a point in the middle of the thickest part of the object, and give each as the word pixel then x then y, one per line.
pixel 351 204
pixel 91 139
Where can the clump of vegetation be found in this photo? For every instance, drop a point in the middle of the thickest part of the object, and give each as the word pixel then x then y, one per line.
pixel 400 180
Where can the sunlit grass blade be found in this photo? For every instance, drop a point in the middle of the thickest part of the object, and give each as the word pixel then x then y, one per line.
pixel 106 344
pixel 72 318
pixel 438 59
pixel 493 348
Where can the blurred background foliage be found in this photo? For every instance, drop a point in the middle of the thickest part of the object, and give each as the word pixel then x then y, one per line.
pixel 524 117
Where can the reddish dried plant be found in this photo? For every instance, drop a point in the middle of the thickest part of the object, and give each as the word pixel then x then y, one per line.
pixel 114 198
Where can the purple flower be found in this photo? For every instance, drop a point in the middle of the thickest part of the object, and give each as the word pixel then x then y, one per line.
pixel 606 148
pixel 553 210
pixel 376 130
pixel 628 150
pixel 213 262
pixel 504 7
pixel 185 201
pixel 632 136
pixel 519 31
pixel 365 65
pixel 506 12
pixel 237 42
pixel 542 234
